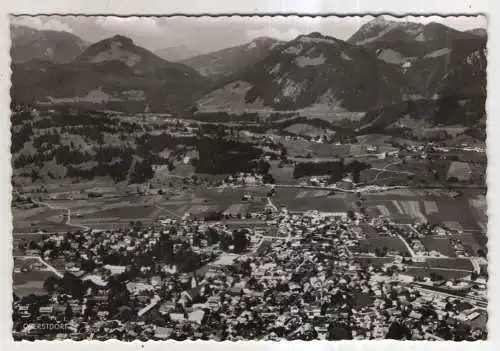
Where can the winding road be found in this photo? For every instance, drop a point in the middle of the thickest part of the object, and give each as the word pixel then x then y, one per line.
pixel 45 263
pixel 57 208
pixel 384 170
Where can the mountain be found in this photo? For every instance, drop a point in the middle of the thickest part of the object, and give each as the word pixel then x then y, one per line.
pixel 112 73
pixel 32 44
pixel 459 99
pixel 423 53
pixel 223 63
pixel 427 37
pixel 177 53
pixel 312 71
pixel 480 32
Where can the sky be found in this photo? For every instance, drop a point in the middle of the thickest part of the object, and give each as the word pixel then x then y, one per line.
pixel 206 34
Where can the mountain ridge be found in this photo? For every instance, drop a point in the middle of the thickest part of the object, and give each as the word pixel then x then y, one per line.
pixel 57 46
pixel 111 72
pixel 225 62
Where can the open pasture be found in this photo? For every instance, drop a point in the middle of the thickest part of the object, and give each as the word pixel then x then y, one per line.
pixel 470 242
pixel 123 212
pixel 391 243
pixel 447 263
pixel 374 261
pixel 436 208
pixel 108 213
pixel 296 199
pixel 439 244
pixel 282 175
pixel 30 282
pixel 422 272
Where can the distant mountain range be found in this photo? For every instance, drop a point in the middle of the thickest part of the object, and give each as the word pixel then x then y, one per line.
pixel 423 53
pixel 385 63
pixel 223 63
pixel 32 44
pixel 177 53
pixel 112 73
pixel 314 70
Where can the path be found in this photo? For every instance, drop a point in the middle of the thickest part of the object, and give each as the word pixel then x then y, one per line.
pixel 270 203
pixel 168 211
pixel 152 304
pixel 384 169
pixel 57 208
pixel 412 253
pixel 476 302
pixel 45 263
pixel 475 264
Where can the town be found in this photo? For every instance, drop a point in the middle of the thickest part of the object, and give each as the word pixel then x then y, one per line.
pixel 308 278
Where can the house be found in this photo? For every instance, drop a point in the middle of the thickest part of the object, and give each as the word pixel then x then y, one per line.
pixel 163 333
pixel 196 316
pixel 47 310
pixel 177 317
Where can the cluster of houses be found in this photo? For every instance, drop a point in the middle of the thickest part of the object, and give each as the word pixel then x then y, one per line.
pixel 305 283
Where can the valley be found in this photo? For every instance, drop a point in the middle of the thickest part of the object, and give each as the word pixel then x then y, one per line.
pixel 311 188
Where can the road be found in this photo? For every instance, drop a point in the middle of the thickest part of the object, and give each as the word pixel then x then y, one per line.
pixel 412 253
pixel 57 208
pixel 473 259
pixel 383 170
pixel 270 203
pixel 45 263
pixel 147 308
pixel 475 264
pixel 392 171
pixel 167 210
pixel 473 301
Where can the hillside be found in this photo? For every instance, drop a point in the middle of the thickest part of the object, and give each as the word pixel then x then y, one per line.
pixel 423 53
pixel 32 44
pixel 223 63
pixel 113 73
pixel 459 101
pixel 480 32
pixel 311 71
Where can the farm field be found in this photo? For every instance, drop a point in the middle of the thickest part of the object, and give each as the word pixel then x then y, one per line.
pixel 422 272
pixel 408 206
pixel 282 175
pixel 397 172
pixel 392 243
pixel 105 213
pixel 471 242
pixel 439 244
pixel 453 263
pixel 374 261
pixel 30 282
pixel 309 199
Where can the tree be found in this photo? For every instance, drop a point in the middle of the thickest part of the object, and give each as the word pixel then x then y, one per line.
pixel 240 240
pixel 68 314
pixel 339 331
pixel 268 179
pixel 142 172
pixel 88 266
pixel 50 284
pixel 398 331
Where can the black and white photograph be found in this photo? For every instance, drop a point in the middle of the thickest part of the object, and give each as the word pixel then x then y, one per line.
pixel 247 178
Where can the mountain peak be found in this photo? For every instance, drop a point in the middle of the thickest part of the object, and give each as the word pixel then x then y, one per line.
pixel 379 21
pixel 121 39
pixel 33 44
pixel 264 39
pixel 318 37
